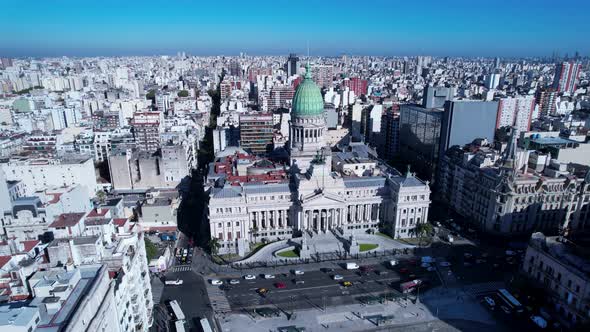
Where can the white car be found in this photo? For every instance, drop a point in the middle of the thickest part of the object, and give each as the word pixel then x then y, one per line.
pixel 489 301
pixel 445 264
pixel 337 277
pixel 298 272
pixel 234 282
pixel 216 282
pixel 174 282
pixel 249 277
pixel 269 276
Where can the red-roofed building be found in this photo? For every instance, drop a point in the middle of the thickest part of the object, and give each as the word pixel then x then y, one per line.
pixel 122 225
pixel 68 225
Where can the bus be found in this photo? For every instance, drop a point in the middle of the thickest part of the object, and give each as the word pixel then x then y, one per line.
pixel 178 314
pixel 510 300
pixel 205 325
pixel 179 325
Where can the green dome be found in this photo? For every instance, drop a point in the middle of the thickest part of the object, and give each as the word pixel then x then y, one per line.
pixel 308 99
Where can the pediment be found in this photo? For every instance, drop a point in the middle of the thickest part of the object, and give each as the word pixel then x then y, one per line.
pixel 321 198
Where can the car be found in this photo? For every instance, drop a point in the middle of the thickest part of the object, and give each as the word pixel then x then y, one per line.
pixel 489 301
pixel 480 260
pixel 280 285
pixel 505 309
pixel 337 277
pixel 174 282
pixel 234 282
pixel 425 265
pixel 404 270
pixel 445 264
pixel 262 291
pixel 346 283
pixel 216 282
pixel 249 277
pixel 327 269
pixel 467 264
pixel 431 269
pixel 381 273
pixel 298 272
pixel 269 276
pixel 467 255
pixel 392 263
pixel 352 266
pixel 298 281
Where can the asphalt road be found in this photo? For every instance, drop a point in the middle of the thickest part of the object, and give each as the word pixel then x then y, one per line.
pixel 191 296
pixel 319 288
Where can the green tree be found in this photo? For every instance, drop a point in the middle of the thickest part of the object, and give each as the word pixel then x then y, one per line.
pixel 255 232
pixel 151 94
pixel 150 249
pixel 422 230
pixel 214 245
pixel 101 196
pixel 183 93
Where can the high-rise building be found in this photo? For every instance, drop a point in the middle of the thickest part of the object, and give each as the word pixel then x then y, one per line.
pixel 465 120
pixel 225 89
pixel 256 133
pixel 515 112
pixel 254 72
pixel 435 97
pixel 280 96
pixel 146 130
pixel 420 138
pixel 546 99
pixel 566 74
pixel 235 69
pixel 356 84
pixel 292 64
pixel 390 131
pixel 323 75
pixel 492 81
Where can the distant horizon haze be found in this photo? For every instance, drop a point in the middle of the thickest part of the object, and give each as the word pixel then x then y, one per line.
pixel 505 28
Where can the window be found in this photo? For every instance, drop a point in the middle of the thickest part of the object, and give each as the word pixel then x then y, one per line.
pixel 237 223
pixel 228 224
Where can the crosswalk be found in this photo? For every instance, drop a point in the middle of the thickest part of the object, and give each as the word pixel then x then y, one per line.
pixel 181 268
pixel 218 299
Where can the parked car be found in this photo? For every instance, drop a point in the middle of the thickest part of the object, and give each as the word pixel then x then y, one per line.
pixel 234 282
pixel 216 282
pixel 298 272
pixel 445 264
pixel 505 310
pixel 298 281
pixel 280 285
pixel 347 283
pixel 249 277
pixel 269 276
pixel 337 277
pixel 392 263
pixel 489 301
pixel 327 269
pixel 381 272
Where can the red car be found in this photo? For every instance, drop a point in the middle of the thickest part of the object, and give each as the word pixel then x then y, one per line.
pixel 280 285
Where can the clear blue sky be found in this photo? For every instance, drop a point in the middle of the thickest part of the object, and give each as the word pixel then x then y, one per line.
pixel 369 27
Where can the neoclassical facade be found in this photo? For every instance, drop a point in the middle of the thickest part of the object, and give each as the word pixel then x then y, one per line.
pixel 251 202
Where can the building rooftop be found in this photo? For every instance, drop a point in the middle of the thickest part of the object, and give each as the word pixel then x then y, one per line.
pixel 22 316
pixel 573 257
pixel 67 220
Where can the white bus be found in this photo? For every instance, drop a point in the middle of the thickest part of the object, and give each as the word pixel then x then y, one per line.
pixel 177 311
pixel 179 325
pixel 205 325
pixel 510 300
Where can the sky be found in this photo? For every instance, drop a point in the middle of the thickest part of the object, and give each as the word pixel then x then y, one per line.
pixel 503 28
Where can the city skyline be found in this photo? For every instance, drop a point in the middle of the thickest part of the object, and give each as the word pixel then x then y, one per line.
pixel 270 28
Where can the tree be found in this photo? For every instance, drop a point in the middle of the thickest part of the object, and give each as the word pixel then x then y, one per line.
pixel 150 249
pixel 183 93
pixel 422 230
pixel 214 245
pixel 255 232
pixel 101 196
